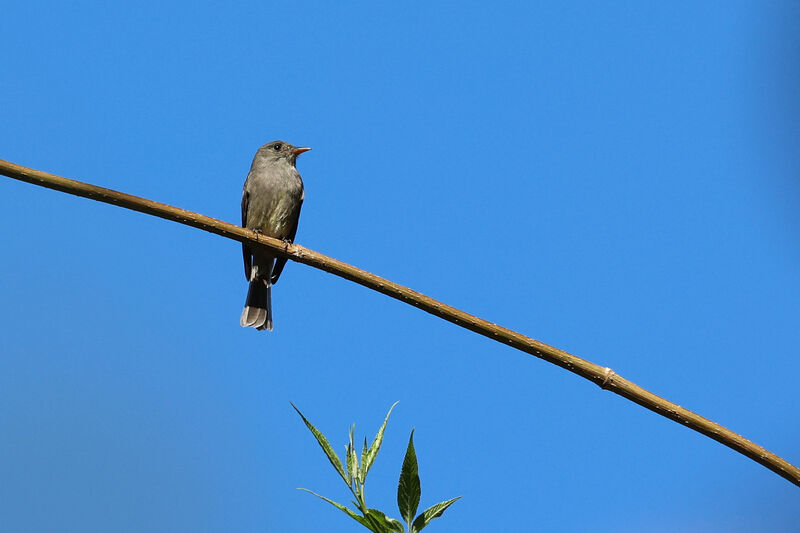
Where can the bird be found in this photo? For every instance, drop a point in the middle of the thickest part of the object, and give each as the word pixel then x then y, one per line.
pixel 272 196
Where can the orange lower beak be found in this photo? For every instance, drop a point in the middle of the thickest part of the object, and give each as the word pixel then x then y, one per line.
pixel 298 151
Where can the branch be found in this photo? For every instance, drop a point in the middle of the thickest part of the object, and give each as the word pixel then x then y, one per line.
pixel 604 377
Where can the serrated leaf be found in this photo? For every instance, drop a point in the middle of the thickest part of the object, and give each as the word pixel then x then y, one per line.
pixel 388 524
pixel 376 443
pixel 362 472
pixel 348 465
pixel 408 488
pixel 354 468
pixel 429 514
pixel 352 459
pixel 349 512
pixel 325 445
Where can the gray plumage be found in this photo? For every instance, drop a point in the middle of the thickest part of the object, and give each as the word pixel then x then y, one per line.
pixel 271 200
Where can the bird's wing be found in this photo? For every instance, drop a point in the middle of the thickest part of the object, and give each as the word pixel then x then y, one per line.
pixel 248 256
pixel 280 262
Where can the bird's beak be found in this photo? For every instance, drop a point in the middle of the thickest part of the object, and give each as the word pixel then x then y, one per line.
pixel 298 151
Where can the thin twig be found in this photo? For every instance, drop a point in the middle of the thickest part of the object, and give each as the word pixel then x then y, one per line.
pixel 602 376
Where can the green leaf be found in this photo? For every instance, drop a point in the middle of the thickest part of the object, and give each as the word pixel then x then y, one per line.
pixel 381 520
pixel 376 444
pixel 348 466
pixel 431 513
pixel 408 489
pixel 352 514
pixel 363 471
pixel 326 446
pixel 352 459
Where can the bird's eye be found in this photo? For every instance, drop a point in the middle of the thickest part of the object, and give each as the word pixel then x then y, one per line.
pixel 277 147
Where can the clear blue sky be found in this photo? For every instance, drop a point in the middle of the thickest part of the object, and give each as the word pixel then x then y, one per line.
pixel 617 180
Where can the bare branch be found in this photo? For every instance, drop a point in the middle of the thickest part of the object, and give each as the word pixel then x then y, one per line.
pixel 602 376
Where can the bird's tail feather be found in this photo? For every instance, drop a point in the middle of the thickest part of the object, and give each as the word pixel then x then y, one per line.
pixel 257 312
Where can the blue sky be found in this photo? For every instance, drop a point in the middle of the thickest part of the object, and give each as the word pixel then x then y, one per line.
pixel 619 181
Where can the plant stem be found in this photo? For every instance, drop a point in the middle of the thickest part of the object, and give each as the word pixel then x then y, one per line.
pixel 604 377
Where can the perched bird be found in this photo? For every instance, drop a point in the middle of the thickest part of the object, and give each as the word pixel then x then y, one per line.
pixel 271 200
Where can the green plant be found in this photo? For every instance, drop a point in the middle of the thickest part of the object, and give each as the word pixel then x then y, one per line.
pixel 354 473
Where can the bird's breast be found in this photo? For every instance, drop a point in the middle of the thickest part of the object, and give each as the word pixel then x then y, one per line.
pixel 274 204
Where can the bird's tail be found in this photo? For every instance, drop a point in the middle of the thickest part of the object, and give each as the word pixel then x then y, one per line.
pixel 257 311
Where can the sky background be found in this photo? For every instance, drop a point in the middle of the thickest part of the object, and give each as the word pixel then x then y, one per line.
pixel 619 180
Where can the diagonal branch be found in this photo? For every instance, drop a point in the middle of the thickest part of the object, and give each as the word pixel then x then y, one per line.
pixel 604 377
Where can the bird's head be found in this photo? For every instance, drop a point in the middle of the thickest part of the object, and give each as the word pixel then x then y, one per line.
pixel 281 150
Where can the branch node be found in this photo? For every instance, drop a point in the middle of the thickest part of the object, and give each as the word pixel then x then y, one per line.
pixel 608 375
